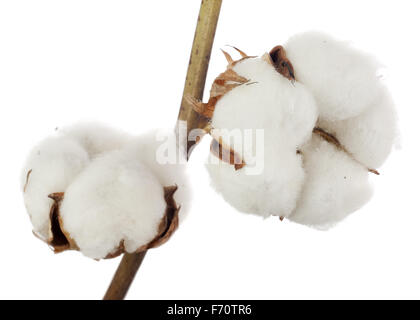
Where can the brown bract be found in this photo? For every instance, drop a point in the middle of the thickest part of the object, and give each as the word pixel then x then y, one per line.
pixel 330 138
pixel 225 154
pixel 27 180
pixel 281 63
pixel 224 83
pixel 59 239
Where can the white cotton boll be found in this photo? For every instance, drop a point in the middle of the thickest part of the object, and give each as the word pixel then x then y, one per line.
pixel 158 150
pixel 285 110
pixel 274 191
pixel 115 198
pixel 343 80
pixel 370 136
pixel 96 138
pixel 49 168
pixel 335 186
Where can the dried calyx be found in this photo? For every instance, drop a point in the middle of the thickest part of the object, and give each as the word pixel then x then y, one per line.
pixel 278 59
pixel 225 82
pixel 59 239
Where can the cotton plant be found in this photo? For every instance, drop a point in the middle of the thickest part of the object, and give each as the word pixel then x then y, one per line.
pixel 315 106
pixel 328 121
pixel 103 192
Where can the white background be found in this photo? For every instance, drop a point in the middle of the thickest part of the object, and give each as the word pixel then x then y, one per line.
pixel 124 63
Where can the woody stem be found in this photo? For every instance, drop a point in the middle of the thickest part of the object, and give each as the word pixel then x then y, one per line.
pixel 194 87
pixel 198 65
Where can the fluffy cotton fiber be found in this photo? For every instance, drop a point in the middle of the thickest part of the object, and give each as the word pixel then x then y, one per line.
pixel 343 80
pixel 116 198
pixel 285 110
pixel 352 116
pixel 50 167
pixel 96 138
pixel 273 191
pixel 157 149
pixel 370 136
pixel 335 186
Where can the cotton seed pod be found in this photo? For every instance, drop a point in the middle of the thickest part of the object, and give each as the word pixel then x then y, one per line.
pixel 343 79
pixel 102 202
pixel 353 135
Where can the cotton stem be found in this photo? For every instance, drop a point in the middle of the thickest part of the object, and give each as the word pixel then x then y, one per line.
pixel 194 87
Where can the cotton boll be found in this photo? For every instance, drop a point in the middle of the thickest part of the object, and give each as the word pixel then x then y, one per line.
pixel 49 168
pixel 370 136
pixel 96 138
pixel 285 110
pixel 273 191
pixel 335 186
pixel 158 150
pixel 116 198
pixel 343 80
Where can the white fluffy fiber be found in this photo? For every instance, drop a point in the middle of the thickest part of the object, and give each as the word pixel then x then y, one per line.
pixel 274 191
pixel 57 160
pixel 285 110
pixel 151 148
pixel 343 80
pixel 96 138
pixel 113 187
pixel 53 164
pixel 350 102
pixel 335 186
pixel 370 136
pixel 116 198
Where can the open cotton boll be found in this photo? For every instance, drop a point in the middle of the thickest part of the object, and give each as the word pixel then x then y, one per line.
pixel 272 191
pixel 343 80
pixel 49 168
pixel 96 138
pixel 116 201
pixel 253 104
pixel 369 137
pixel 158 150
pixel 335 186
pixel 285 110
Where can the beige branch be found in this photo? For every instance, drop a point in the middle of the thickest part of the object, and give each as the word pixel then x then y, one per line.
pixel 194 87
pixel 198 65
